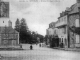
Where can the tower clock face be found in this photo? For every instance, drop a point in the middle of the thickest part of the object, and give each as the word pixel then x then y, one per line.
pixel 4 9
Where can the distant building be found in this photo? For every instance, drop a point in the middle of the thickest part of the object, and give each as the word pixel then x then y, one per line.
pixel 51 32
pixel 52 25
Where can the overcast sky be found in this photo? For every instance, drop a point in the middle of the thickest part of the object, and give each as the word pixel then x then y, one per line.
pixel 38 15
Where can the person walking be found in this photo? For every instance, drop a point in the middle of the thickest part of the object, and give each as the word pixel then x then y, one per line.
pixel 31 47
pixel 40 45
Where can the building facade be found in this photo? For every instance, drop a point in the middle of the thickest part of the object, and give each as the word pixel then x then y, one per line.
pixel 61 26
pixel 67 20
pixel 9 36
pixel 52 33
pixel 74 20
pixel 50 30
pixel 64 27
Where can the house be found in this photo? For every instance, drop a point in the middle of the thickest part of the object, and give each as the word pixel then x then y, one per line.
pixel 64 27
pixel 68 19
pixel 61 26
pixel 74 21
pixel 9 37
pixel 51 34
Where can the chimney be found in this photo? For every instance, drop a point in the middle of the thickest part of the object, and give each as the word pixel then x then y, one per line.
pixel 78 1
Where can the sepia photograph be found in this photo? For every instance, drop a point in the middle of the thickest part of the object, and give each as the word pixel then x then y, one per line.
pixel 39 29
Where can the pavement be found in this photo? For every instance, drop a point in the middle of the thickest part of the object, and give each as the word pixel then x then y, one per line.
pixel 39 53
pixel 68 49
pixel 27 47
pixel 18 47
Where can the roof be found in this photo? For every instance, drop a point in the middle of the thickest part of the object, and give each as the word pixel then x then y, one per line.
pixel 74 8
pixel 7 30
pixel 61 26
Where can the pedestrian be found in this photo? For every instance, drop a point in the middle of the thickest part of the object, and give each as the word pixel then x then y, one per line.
pixel 20 46
pixel 31 47
pixel 40 45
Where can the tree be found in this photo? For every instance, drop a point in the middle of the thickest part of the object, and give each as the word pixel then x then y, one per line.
pixel 23 25
pixel 41 37
pixel 46 39
pixel 17 25
pixel 26 36
pixel 23 31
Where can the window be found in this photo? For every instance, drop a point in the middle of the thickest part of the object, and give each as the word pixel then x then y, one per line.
pixel 62 40
pixel 77 22
pixel 77 38
pixel 72 34
pixel 64 30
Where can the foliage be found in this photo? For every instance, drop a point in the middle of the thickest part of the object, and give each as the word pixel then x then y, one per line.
pixel 22 28
pixel 17 25
pixel 26 36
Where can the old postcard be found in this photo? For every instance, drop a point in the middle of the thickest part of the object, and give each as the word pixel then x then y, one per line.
pixel 39 29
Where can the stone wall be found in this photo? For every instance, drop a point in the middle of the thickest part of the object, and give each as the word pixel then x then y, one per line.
pixel 72 19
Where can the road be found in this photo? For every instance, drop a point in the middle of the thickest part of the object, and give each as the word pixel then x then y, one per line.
pixel 39 53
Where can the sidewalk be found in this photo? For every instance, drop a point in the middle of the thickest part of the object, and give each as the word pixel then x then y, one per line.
pixel 68 49
pixel 10 48
pixel 65 49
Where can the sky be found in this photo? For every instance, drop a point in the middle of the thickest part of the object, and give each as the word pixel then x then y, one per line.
pixel 38 14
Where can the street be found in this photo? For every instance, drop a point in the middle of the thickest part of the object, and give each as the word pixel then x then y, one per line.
pixel 39 53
